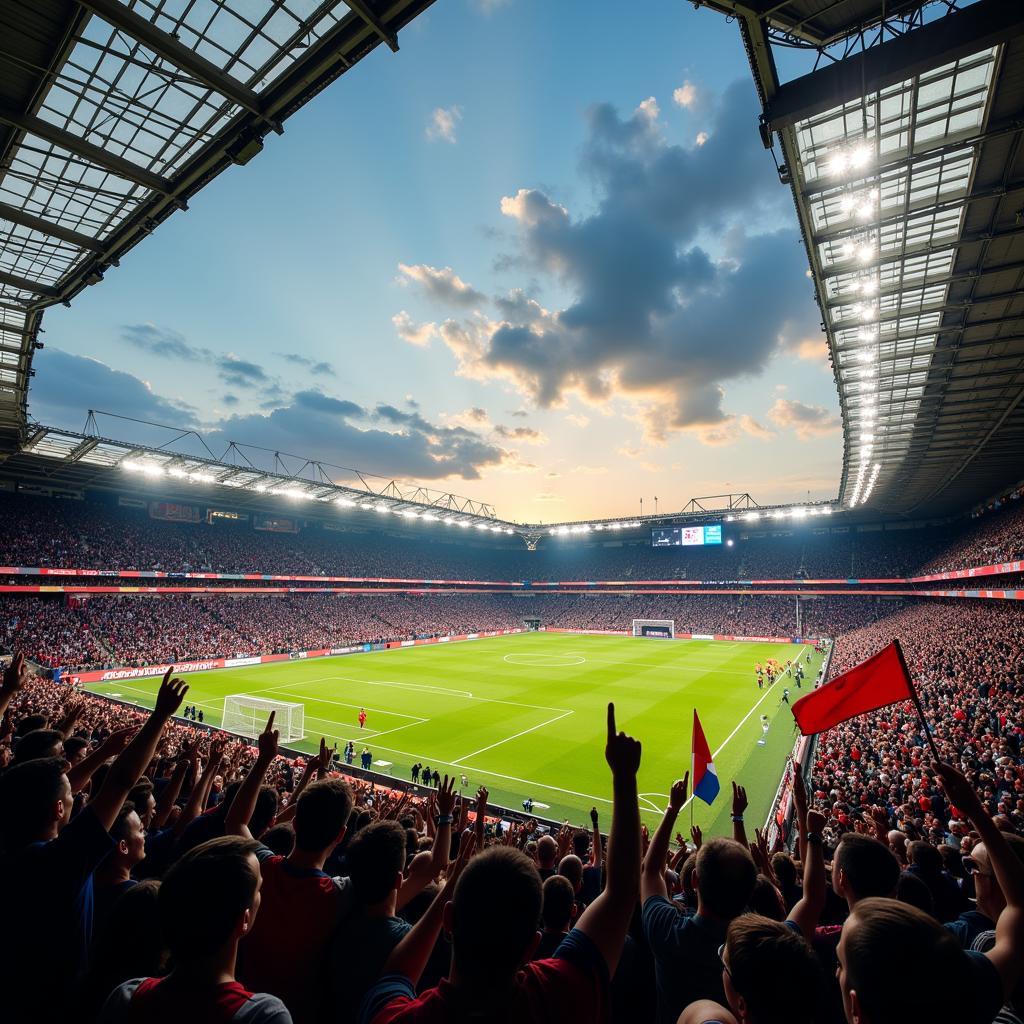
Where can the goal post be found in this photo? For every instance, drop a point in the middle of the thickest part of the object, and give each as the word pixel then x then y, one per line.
pixel 248 716
pixel 661 629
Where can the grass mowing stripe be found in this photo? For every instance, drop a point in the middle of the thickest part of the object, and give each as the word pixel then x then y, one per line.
pixel 535 730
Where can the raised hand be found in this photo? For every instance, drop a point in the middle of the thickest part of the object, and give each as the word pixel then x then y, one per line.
pixel 739 799
pixel 593 816
pixel 16 675
pixel 962 795
pixel 170 695
pixel 696 835
pixel 266 743
pixel 622 752
pixel 799 789
pixel 118 740
pixel 446 797
pixel 482 795
pixel 677 794
pixel 322 761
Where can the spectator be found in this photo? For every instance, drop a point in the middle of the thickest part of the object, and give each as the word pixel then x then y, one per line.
pixel 208 902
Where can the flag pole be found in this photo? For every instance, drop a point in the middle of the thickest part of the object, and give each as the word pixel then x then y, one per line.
pixel 917 700
pixel 693 763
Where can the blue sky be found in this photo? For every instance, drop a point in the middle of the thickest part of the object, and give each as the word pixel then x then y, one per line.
pixel 538 257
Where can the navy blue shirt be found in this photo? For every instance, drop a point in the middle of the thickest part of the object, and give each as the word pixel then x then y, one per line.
pixel 46 891
pixel 685 950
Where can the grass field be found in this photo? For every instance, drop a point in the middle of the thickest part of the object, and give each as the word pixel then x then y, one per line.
pixel 525 714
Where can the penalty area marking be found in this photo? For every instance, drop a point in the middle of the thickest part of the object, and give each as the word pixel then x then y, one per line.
pixel 545 660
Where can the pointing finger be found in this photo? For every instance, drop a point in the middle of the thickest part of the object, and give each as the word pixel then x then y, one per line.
pixel 611 721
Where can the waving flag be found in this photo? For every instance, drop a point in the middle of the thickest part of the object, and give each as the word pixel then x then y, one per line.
pixel 702 768
pixel 881 680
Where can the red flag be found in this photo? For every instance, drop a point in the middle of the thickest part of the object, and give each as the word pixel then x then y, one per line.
pixel 881 680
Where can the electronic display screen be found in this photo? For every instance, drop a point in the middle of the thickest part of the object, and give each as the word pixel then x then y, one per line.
pixel 686 536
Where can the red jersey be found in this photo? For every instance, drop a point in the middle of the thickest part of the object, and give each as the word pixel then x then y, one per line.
pixel 572 986
pixel 305 905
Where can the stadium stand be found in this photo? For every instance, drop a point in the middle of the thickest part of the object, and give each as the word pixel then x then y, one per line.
pixel 153 869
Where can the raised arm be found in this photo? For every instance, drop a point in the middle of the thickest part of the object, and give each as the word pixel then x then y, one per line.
pixel 442 847
pixel 606 920
pixel 80 774
pixel 596 849
pixel 170 793
pixel 806 914
pixel 240 811
pixel 314 766
pixel 131 763
pixel 739 805
pixel 1007 955
pixel 652 875
pixel 481 816
pixel 197 799
pixel 800 809
pixel 410 956
pixel 15 678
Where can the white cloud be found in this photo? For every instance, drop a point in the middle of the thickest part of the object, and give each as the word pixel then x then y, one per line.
pixel 443 122
pixel 578 420
pixel 808 421
pixel 702 137
pixel 440 283
pixel 649 108
pixel 412 332
pixel 685 95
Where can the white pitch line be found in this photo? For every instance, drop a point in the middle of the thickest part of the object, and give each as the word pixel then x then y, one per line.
pixel 508 739
pixel 722 745
pixel 345 704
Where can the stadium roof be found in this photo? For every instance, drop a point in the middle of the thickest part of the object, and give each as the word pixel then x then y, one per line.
pixel 113 115
pixel 903 150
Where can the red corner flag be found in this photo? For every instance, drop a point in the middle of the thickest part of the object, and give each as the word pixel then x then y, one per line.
pixel 881 680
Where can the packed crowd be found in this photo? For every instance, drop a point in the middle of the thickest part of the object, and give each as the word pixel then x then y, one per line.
pixel 71 534
pixel 153 871
pixel 101 631
pixel 967 660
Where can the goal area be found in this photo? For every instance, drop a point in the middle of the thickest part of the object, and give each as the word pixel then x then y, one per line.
pixel 248 716
pixel 659 629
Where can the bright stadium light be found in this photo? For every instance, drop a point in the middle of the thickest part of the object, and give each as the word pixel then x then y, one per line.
pixel 799 513
pixel 346 502
pixel 752 517
pixel 383 508
pixel 865 252
pixel 464 524
pixel 728 542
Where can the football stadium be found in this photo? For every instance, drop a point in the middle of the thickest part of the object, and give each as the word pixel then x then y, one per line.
pixel 352 670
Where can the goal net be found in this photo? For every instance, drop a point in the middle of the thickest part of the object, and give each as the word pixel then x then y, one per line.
pixel 248 716
pixel 662 629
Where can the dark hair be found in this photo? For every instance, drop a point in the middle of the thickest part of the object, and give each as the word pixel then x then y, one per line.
pixel 725 877
pixel 925 857
pixel 767 900
pixel 321 813
pixel 870 867
pixel 128 944
pixel 581 844
pixel 204 894
pixel 885 944
pixel 140 793
pixel 29 724
pixel 913 890
pixel 36 745
pixel 499 885
pixel 27 794
pixel 263 814
pixel 558 899
pixel 280 839
pixel 774 969
pixel 119 830
pixel 73 744
pixel 375 857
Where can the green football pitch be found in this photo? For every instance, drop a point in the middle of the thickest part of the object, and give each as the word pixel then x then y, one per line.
pixel 525 714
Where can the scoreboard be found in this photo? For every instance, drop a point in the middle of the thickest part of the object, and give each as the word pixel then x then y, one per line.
pixel 686 536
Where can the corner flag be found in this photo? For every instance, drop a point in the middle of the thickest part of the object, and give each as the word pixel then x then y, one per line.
pixel 702 768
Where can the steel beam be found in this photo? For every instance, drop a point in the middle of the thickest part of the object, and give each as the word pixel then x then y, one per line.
pixel 25 285
pixel 362 9
pixel 86 150
pixel 942 41
pixel 165 45
pixel 45 227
